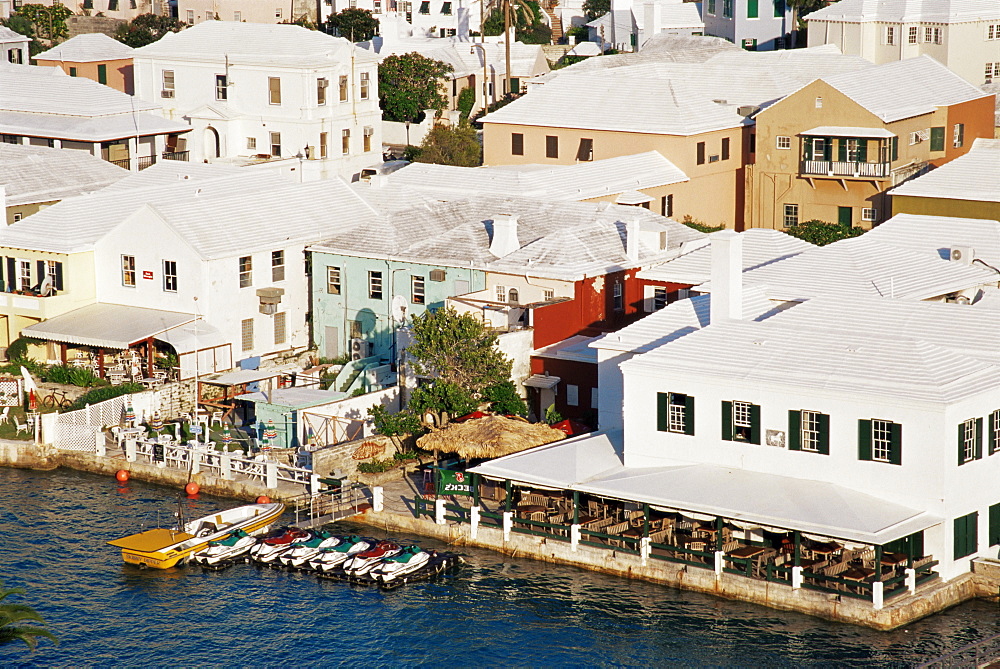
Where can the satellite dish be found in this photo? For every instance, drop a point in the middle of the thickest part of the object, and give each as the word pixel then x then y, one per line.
pixel 45 289
pixel 399 308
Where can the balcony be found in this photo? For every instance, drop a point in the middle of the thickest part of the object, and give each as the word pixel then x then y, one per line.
pixel 176 155
pixel 142 162
pixel 836 168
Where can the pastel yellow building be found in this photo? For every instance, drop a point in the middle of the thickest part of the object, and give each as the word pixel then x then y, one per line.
pixel 968 187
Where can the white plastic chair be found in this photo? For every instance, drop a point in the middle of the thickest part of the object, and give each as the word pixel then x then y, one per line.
pixel 4 414
pixel 217 418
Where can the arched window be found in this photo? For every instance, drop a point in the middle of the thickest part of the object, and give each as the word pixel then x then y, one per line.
pixel 512 297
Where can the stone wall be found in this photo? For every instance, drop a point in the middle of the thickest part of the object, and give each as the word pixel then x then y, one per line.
pixel 79 25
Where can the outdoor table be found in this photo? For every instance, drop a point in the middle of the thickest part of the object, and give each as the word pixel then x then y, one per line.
pixel 747 552
pixel 807 563
pixel 690 542
pixel 584 519
pixel 633 533
pixel 531 511
pixel 828 548
pixel 893 559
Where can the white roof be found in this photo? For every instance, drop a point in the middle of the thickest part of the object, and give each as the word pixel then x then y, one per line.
pixel 844 131
pixel 974 176
pixel 231 213
pixel 559 240
pixel 39 174
pixel 88 48
pixel 107 325
pixel 905 88
pixel 937 235
pixel 590 464
pixel 660 48
pixel 254 43
pixel 674 15
pixel 574 349
pixel 45 102
pixel 240 376
pixel 580 181
pixel 197 335
pixel 8 36
pixel 585 49
pixel 761 246
pixel 908 11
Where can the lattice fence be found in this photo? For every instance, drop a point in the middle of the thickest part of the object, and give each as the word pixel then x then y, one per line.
pixel 78 430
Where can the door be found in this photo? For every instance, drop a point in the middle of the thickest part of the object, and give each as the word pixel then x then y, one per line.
pixel 844 216
pixel 331 348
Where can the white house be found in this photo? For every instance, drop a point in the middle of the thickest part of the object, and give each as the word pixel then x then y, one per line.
pixel 257 92
pixel 755 25
pixel 417 18
pixel 13 46
pixel 963 35
pixel 636 22
pixel 860 429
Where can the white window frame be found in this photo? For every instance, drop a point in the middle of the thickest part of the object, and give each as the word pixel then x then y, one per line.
pixel 881 440
pixel 809 429
pixel 869 214
pixel 418 290
pixel 742 420
pixel 343 88
pixel 128 271
pixel 170 276
pixel 245 271
pixel 676 412
pixel 167 84
pixel 278 265
pixel 221 87
pixel 375 291
pixel 322 84
pixel 246 334
pixel 275 141
pixel 791 215
pixel 251 143
pixel 23 274
pixel 365 85
pixel 50 272
pixel 968 440
pixel 783 142
pixel 274 93
pixel 958 136
pixel 501 293
pixel 333 278
pixel 660 297
pixel 913 35
pixel 548 293
pixel 890 35
pixel 617 294
pixel 345 141
pixel 238 17
pixel 280 328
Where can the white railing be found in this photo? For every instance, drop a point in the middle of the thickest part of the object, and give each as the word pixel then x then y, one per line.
pixel 836 168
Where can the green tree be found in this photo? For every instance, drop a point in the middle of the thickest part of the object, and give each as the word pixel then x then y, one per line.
pixel 357 25
pixel 46 22
pixel 504 399
pixel 466 101
pixel 822 233
pixel 457 348
pixel 13 619
pixel 595 9
pixel 801 8
pixel 409 84
pixel 146 29
pixel 451 145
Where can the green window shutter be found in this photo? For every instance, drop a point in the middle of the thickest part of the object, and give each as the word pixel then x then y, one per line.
pixel 961 444
pixel 102 78
pixel 794 430
pixel 751 9
pixel 993 433
pixel 827 150
pixel 663 412
pixel 895 148
pixel 711 7
pixel 937 139
pixel 754 423
pixel 824 434
pixel 689 415
pixel 979 439
pixel 807 147
pixel 864 440
pixel 842 150
pixel 727 421
pixel 779 8
pixel 994 530
pixel 896 444
pixel 862 150
pixel 959 538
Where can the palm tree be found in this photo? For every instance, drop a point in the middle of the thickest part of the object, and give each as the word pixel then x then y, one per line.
pixel 514 11
pixel 13 617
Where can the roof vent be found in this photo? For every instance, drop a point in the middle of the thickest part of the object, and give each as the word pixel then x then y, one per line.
pixel 746 111
pixel 720 101
pixel 504 240
pixel 962 254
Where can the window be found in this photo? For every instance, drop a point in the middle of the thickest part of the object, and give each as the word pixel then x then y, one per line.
pixel 323 138
pixel 711 7
pixel 513 297
pixel 112 5
pixel 727 9
pixel 850 150
pixel 367 137
pixel 275 143
pixel 128 270
pixel 446 9
pixel 992 70
pixel 725 148
pixel 333 280
pixel 958 135
pixel 102 74
pixel 970 440
pixel 994 431
pixel 586 151
pixel 54 273
pixel 516 144
pixel 751 9
pixel 551 146
pixel 168 84
pixel 321 86
pixel 937 138
pixel 170 276
pixel 246 332
pixel 819 103
pixel 365 85
pixel 791 218
pixel 374 285
pixel 816 149
pixel 274 90
pixel 783 142
pixel 880 441
pixel 619 302
pixel 417 295
pixel 221 87
pixel 277 265
pixel 932 35
pixel 252 143
pixel 425 7
pixel 355 329
pixel 345 141
pixel 237 16
pixel 993 535
pixel 572 395
pixel 343 88
pixel 741 422
pixel 18 216
pixel 912 35
pixel 280 334
pixel 779 9
pixel 72 70
pixel 190 16
pixel 869 214
pixel 809 431
pixel 24 275
pixel 966 535
pixel 993 31
pixel 667 205
pixel 890 35
pixel 700 153
pixel 501 293
pixel 277 13
pixel 548 294
pixel 659 297
pixel 246 272
pixel 675 413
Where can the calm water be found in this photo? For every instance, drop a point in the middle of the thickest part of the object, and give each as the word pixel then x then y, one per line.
pixel 496 612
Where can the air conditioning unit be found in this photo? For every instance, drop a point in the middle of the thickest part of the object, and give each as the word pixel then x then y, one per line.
pixel 962 254
pixel 359 348
pixel 924 135
pixel 437 275
pixel 166 94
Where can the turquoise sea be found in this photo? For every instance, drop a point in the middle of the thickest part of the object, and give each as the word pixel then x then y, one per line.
pixel 497 611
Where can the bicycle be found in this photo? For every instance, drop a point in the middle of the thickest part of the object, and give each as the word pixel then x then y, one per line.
pixel 57 399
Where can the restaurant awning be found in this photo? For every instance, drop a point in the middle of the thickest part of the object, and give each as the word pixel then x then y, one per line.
pixel 114 326
pixel 541 381
pixel 194 336
pixel 843 131
pixel 773 500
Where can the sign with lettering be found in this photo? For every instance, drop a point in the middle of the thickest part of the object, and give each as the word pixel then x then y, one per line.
pixel 146 274
pixel 454 483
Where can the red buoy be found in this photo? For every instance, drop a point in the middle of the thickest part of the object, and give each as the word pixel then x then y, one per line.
pixel 122 475
pixel 263 499
pixel 192 488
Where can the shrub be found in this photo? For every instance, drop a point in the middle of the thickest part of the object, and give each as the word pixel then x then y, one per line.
pixel 377 466
pixel 18 349
pixel 466 101
pixel 552 416
pixel 70 376
pixel 105 393
pixel 700 226
pixel 406 455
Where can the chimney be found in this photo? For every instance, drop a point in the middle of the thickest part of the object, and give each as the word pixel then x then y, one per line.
pixel 652 20
pixel 504 240
pixel 727 276
pixel 632 240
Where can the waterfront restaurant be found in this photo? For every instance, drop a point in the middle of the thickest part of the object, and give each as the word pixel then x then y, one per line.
pixel 842 443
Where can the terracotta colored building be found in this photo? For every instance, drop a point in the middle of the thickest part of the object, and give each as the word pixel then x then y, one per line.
pixel 93 56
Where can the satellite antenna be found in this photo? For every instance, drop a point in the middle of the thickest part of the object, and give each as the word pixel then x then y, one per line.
pixel 399 308
pixel 45 289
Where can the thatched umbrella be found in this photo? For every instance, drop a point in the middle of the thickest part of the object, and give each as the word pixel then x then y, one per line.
pixel 489 437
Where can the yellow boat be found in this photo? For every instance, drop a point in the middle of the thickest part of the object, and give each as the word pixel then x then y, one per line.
pixel 164 548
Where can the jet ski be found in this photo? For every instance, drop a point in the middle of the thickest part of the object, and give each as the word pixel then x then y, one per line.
pixel 268 550
pixel 409 560
pixel 364 562
pixel 331 558
pixel 223 552
pixel 302 552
